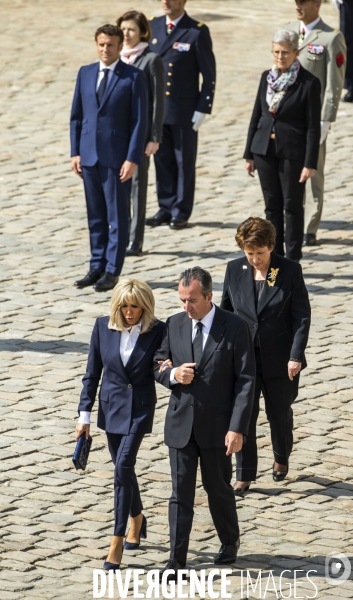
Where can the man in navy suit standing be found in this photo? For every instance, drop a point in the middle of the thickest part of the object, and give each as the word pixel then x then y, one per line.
pixel 186 49
pixel 108 128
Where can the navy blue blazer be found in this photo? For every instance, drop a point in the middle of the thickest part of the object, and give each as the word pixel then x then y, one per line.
pixel 282 317
pixel 127 396
pixel 186 53
pixel 115 131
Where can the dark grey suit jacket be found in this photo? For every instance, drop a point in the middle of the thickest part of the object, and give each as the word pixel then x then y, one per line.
pixel 220 397
pixel 152 65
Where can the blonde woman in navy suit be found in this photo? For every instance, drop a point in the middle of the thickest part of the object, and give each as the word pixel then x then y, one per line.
pixel 122 348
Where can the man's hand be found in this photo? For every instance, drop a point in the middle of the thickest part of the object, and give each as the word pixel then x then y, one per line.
pixel 80 428
pixel 306 174
pixel 234 442
pixel 293 369
pixel 250 167
pixel 127 171
pixel 185 373
pixel 76 165
pixel 151 148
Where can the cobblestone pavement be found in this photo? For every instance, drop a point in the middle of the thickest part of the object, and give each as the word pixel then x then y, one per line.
pixel 56 523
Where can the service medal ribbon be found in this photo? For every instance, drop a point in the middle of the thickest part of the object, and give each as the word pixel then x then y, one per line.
pixel 271 277
pixel 316 49
pixel 181 47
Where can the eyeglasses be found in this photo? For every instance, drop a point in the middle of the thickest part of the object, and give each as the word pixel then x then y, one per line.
pixel 283 53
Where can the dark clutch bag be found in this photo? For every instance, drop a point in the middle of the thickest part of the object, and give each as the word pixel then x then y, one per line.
pixel 81 453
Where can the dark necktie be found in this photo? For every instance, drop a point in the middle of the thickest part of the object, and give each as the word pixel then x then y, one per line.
pixel 197 344
pixel 102 86
pixel 170 28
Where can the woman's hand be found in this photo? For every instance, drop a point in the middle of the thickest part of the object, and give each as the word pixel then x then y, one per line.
pixel 293 369
pixel 165 364
pixel 250 167
pixel 306 174
pixel 151 148
pixel 80 428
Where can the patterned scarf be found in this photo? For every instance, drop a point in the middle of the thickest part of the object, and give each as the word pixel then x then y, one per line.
pixel 278 83
pixel 129 55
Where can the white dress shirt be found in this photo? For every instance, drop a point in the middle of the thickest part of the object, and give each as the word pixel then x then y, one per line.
pixel 176 21
pixel 308 27
pixel 128 341
pixel 102 66
pixel 207 324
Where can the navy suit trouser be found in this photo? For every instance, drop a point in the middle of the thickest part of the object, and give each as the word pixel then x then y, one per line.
pixel 107 202
pixel 127 500
pixel 346 26
pixel 175 171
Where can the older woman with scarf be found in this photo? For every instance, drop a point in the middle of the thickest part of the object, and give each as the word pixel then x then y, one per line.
pixel 283 141
pixel 136 52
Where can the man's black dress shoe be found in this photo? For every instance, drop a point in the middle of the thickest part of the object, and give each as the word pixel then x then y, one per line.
pixel 106 282
pixel 278 476
pixel 309 239
pixel 348 97
pixel 175 566
pixel 92 277
pixel 108 566
pixel 176 223
pixel 134 249
pixel 157 220
pixel 227 554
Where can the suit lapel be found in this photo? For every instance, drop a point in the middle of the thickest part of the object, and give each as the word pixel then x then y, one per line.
pixel 113 81
pixel 246 281
pixel 213 339
pixel 177 33
pixel 143 343
pixel 310 38
pixel 269 292
pixel 185 334
pixel 93 82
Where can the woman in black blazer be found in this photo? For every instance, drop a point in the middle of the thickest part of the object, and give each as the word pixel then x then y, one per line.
pixel 122 348
pixel 136 52
pixel 283 141
pixel 268 291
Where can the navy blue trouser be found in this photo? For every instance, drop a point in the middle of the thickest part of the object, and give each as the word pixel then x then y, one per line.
pixel 127 500
pixel 107 202
pixel 175 164
pixel 346 26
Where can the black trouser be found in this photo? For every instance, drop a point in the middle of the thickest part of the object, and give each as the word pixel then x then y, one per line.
pixel 216 473
pixel 279 393
pixel 139 200
pixel 127 501
pixel 346 26
pixel 175 171
pixel 279 179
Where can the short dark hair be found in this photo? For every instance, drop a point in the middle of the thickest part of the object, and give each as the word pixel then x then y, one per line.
pixel 255 233
pixel 110 30
pixel 141 21
pixel 202 276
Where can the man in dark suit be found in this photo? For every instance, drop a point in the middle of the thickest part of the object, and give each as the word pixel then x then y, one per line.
pixel 212 385
pixel 186 49
pixel 108 128
pixel 345 8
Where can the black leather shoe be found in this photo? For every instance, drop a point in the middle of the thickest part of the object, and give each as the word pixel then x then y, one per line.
pixel 108 566
pixel 175 566
pixel 348 97
pixel 309 239
pixel 278 476
pixel 134 249
pixel 92 277
pixel 157 220
pixel 176 223
pixel 105 283
pixel 227 554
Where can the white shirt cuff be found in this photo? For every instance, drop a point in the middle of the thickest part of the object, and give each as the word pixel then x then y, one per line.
pixel 84 418
pixel 172 376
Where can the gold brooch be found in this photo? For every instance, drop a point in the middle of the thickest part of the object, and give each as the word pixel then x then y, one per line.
pixel 271 277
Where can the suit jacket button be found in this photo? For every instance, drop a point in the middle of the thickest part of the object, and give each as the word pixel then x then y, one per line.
pixel 167 93
pixel 170 64
pixel 129 386
pixel 191 404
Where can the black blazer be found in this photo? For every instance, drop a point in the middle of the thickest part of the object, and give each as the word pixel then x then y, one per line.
pixel 152 65
pixel 220 398
pixel 296 123
pixel 127 396
pixel 282 319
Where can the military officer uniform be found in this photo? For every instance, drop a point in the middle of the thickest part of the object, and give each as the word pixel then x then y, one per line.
pixel 186 51
pixel 323 53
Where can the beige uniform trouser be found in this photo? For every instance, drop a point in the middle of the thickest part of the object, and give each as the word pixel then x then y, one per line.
pixel 314 195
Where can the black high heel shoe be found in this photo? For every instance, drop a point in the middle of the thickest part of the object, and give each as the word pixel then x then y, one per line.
pixel 278 476
pixel 143 534
pixel 240 491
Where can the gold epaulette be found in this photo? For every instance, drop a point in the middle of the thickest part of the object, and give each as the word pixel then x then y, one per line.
pixel 151 18
pixel 200 24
